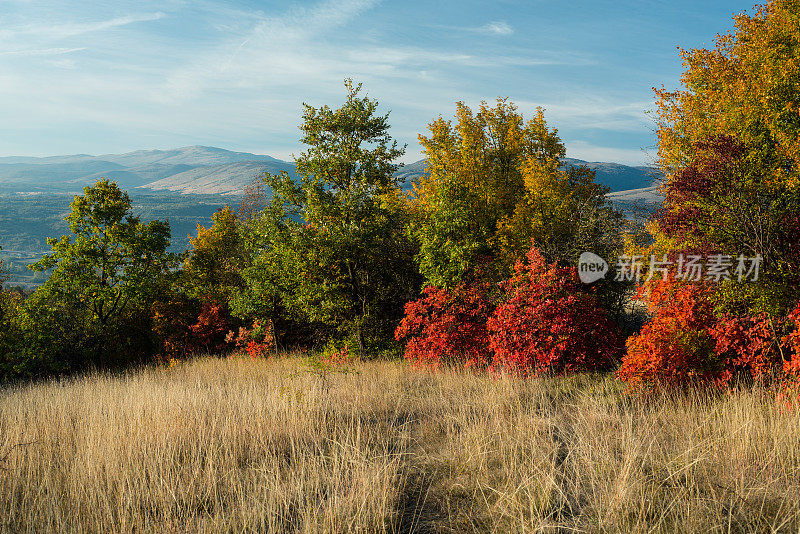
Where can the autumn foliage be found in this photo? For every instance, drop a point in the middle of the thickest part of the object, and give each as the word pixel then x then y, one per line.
pixel 448 326
pixel 728 145
pixel 747 347
pixel 791 364
pixel 257 341
pixel 211 327
pixel 672 347
pixel 183 327
pixel 687 341
pixel 546 322
pixel 551 323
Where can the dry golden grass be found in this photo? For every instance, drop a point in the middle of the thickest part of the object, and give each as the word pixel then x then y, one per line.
pixel 232 446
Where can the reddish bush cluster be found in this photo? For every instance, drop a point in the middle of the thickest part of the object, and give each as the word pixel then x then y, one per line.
pixel 551 323
pixel 337 358
pixel 182 329
pixel 257 342
pixel 671 347
pixel 448 327
pixel 790 352
pixel 746 346
pixel 547 321
pixel 686 342
pixel 210 330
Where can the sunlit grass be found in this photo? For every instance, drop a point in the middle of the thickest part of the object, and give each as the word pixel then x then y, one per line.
pixel 235 445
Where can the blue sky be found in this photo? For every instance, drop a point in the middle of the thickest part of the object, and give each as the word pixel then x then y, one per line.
pixel 102 77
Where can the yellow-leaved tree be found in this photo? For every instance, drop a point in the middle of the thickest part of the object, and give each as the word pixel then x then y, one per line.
pixel 729 145
pixel 496 185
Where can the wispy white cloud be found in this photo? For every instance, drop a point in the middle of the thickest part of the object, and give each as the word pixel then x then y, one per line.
pixel 53 32
pixel 591 111
pixel 276 50
pixel 41 52
pixel 294 48
pixel 496 28
pixel 68 30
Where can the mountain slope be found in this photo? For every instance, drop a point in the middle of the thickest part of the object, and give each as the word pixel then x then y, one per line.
pixel 133 169
pixel 195 156
pixel 618 177
pixel 228 179
pixel 212 170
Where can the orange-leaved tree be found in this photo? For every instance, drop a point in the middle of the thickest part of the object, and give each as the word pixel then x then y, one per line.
pixel 729 146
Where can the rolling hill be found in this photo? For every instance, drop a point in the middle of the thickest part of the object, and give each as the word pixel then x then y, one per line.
pixel 137 169
pixel 211 170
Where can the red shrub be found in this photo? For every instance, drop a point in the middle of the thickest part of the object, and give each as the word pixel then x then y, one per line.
pixel 790 347
pixel 337 358
pixel 208 333
pixel 258 341
pixel 551 323
pixel 685 341
pixel 673 348
pixel 448 326
pixel 748 345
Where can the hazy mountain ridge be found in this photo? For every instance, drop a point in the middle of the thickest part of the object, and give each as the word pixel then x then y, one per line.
pixel 133 169
pixel 619 177
pixel 212 170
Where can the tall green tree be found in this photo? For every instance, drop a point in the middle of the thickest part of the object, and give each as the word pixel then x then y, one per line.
pixel 335 241
pixel 95 304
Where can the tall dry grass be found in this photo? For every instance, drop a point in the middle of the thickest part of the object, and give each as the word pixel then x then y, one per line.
pixel 219 446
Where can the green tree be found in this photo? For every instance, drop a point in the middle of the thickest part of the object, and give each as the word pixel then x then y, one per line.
pixel 94 307
pixel 334 240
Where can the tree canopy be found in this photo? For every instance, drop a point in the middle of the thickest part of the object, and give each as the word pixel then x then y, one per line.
pixel 496 185
pixel 111 264
pixel 335 236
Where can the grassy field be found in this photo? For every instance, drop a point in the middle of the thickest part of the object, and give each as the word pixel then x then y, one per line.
pixel 236 446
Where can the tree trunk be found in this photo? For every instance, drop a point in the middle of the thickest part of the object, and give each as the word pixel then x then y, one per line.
pixel 360 339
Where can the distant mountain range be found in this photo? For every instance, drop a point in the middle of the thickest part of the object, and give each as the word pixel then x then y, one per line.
pixel 211 170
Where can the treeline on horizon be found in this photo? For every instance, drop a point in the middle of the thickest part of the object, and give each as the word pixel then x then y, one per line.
pixel 474 268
